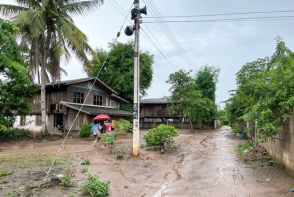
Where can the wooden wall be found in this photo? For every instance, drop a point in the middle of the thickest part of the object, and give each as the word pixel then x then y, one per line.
pixel 153 110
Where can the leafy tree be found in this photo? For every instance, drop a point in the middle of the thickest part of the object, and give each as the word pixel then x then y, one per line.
pixel 15 84
pixel 48 32
pixel 188 100
pixel 265 90
pixel 206 79
pixel 118 70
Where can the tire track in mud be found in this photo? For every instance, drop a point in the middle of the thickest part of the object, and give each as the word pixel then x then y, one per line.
pixel 192 151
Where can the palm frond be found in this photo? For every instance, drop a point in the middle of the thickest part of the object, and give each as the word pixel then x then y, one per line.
pixel 11 10
pixel 35 19
pixel 29 3
pixel 82 7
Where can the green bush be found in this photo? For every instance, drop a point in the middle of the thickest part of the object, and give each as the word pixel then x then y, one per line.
pixel 244 148
pixel 85 130
pixel 66 181
pixel 108 138
pixel 160 136
pixel 13 133
pixel 122 126
pixel 94 187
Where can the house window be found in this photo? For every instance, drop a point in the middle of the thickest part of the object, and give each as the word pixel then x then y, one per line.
pixel 78 97
pixel 99 100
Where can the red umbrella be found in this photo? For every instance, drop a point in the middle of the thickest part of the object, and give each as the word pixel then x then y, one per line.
pixel 102 117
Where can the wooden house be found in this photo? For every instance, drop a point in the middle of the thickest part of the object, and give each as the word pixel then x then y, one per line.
pixel 65 98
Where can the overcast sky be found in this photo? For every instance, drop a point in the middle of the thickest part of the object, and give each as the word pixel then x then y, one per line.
pixel 227 45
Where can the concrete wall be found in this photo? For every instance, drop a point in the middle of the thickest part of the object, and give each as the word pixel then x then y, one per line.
pixel 281 147
pixel 30 123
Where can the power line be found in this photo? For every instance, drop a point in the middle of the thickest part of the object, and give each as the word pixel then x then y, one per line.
pixel 168 32
pixel 145 33
pixel 162 52
pixel 225 14
pixel 262 18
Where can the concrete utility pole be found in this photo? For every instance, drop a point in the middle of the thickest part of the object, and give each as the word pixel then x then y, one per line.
pixel 136 16
pixel 136 107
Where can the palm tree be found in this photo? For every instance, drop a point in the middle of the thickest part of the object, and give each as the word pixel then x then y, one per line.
pixel 48 33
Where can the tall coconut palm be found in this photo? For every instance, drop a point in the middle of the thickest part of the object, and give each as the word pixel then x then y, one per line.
pixel 49 32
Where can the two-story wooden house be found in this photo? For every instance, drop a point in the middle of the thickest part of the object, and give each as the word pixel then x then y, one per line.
pixel 65 98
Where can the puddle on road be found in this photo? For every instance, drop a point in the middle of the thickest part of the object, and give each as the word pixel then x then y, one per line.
pixel 159 192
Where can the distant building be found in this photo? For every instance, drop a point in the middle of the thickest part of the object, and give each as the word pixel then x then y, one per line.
pixel 154 111
pixel 64 99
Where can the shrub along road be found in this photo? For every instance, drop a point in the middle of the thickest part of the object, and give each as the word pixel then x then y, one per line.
pixel 204 164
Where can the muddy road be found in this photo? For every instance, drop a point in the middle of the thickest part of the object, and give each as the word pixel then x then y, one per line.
pixel 204 164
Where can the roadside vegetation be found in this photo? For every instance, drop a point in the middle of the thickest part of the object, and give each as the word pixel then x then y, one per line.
pixel 94 187
pixel 15 84
pixel 13 133
pixel 264 95
pixel 161 137
pixel 122 126
pixel 85 130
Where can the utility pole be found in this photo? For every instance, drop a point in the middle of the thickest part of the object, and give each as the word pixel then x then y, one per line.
pixel 136 16
pixel 136 107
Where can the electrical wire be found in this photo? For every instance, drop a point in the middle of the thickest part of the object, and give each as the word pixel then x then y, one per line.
pixel 263 18
pixel 225 14
pixel 79 111
pixel 145 33
pixel 168 32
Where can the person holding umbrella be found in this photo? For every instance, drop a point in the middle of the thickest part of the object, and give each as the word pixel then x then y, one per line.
pixel 97 126
pixel 96 130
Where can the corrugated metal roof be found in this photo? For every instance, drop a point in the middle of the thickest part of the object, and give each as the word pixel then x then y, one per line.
pixel 74 81
pixel 113 94
pixel 96 110
pixel 164 100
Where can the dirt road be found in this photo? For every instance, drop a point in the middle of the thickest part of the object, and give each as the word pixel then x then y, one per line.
pixel 204 164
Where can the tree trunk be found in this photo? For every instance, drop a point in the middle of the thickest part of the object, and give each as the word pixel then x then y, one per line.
pixel 43 99
pixel 191 125
pixel 43 81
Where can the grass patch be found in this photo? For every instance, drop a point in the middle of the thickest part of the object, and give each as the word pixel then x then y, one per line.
pixel 34 160
pixel 86 162
pixel 244 148
pixel 5 173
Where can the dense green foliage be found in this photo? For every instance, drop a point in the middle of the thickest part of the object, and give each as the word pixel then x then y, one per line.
pixel 108 138
pixel 160 136
pixel 13 133
pixel 265 92
pixel 223 117
pixel 194 97
pixel 85 130
pixel 15 84
pixel 66 181
pixel 94 187
pixel 122 126
pixel 119 68
pixel 206 79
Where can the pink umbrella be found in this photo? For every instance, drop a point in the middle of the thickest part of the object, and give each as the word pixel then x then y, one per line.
pixel 102 117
